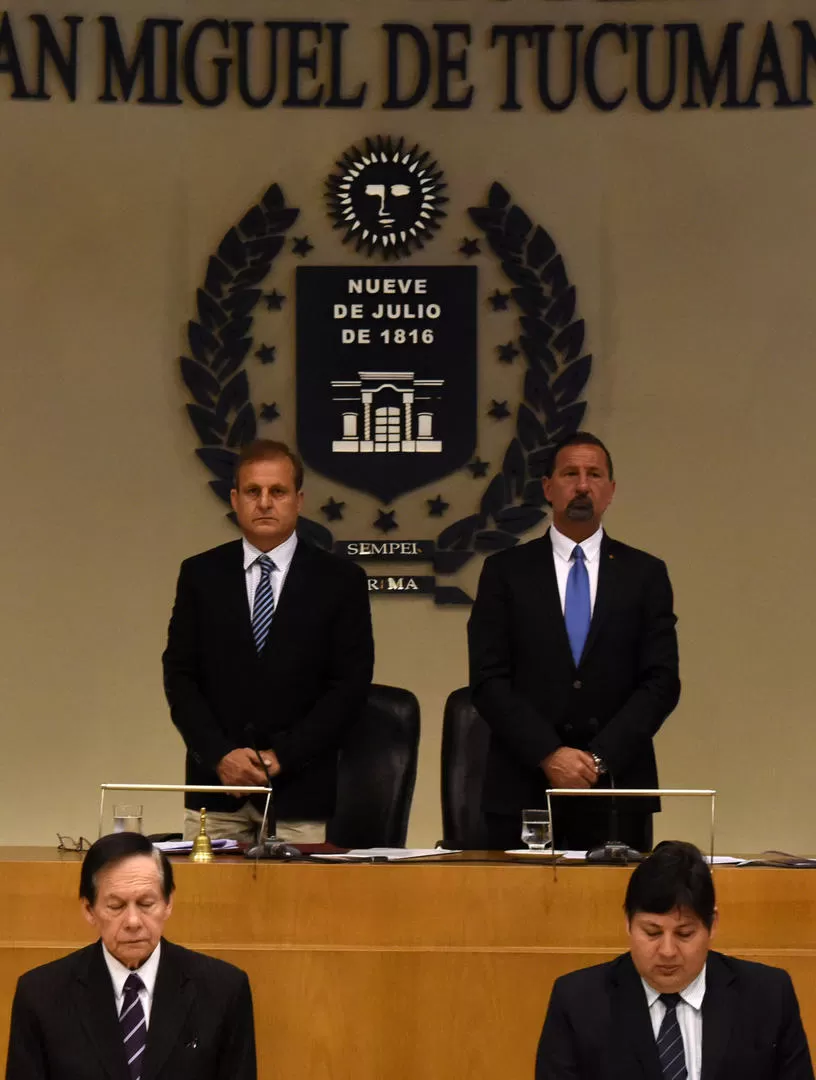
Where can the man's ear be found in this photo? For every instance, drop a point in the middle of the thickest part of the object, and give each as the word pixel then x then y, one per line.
pixel 87 911
pixel 715 923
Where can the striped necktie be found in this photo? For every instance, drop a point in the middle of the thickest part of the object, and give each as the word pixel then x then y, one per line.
pixel 670 1047
pixel 577 608
pixel 133 1026
pixel 263 606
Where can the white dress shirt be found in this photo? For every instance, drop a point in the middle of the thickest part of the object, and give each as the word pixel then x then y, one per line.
pixel 689 1019
pixel 147 973
pixel 281 556
pixel 563 548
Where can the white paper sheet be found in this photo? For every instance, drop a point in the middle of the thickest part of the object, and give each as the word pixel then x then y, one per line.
pixel 386 854
pixel 180 846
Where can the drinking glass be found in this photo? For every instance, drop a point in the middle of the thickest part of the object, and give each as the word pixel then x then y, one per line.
pixel 127 817
pixel 535 829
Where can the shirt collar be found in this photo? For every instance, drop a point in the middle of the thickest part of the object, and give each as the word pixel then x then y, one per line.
pixel 693 994
pixel 119 973
pixel 281 555
pixel 563 546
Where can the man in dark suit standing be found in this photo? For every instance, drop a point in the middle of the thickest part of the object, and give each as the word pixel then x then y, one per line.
pixel 133 1006
pixel 670 1009
pixel 269 648
pixel 573 663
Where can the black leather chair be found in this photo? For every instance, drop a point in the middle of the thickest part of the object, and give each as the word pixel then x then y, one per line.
pixel 465 739
pixel 377 772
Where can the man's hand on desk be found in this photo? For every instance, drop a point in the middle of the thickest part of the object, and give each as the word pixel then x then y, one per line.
pixel 240 768
pixel 568 767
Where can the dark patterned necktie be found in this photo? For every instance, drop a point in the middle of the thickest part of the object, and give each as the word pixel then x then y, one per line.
pixel 670 1048
pixel 577 607
pixel 263 606
pixel 134 1028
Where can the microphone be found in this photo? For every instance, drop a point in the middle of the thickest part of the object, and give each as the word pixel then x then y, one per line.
pixel 614 850
pixel 269 809
pixel 268 847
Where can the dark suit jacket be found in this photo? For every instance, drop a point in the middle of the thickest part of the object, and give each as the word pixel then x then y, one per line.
pixel 64 1024
pixel 526 686
pixel 598 1026
pixel 298 696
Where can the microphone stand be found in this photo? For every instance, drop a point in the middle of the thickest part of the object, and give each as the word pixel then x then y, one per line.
pixel 269 847
pixel 613 851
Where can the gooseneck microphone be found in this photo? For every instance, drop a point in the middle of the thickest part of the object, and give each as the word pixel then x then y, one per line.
pixel 269 824
pixel 614 850
pixel 268 846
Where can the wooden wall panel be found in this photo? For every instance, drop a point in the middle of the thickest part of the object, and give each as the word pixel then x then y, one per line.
pixel 412 971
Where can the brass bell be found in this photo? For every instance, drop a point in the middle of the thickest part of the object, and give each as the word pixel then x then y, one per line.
pixel 202 847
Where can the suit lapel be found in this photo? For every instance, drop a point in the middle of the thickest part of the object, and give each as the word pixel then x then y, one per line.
pixel 96 1005
pixel 719 1010
pixel 232 601
pixel 630 1019
pixel 605 596
pixel 172 1000
pixel 552 614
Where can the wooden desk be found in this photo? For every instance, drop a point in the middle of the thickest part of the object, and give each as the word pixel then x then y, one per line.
pixel 430 971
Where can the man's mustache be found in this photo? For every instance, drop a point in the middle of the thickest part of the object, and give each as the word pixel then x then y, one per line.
pixel 580 506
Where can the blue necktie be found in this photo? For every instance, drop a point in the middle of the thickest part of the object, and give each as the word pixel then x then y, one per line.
pixel 670 1047
pixel 133 1026
pixel 577 610
pixel 263 606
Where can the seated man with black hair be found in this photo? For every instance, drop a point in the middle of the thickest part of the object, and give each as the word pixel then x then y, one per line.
pixel 670 1009
pixel 131 1005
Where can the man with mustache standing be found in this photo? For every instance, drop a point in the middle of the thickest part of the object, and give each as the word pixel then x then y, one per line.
pixel 270 652
pixel 573 664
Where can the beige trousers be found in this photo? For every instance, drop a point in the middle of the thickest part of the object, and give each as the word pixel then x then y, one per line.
pixel 244 825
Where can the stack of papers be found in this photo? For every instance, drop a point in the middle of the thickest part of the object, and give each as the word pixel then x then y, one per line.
pixel 386 854
pixel 180 847
pixel 718 860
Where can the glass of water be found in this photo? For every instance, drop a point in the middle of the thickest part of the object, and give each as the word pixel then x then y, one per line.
pixel 536 832
pixel 127 817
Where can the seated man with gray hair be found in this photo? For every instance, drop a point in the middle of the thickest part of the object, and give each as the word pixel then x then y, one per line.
pixel 132 1004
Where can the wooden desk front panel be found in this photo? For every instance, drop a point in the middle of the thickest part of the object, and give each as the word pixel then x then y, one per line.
pixel 410 972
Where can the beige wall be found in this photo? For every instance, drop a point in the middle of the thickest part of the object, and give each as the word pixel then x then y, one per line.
pixel 690 238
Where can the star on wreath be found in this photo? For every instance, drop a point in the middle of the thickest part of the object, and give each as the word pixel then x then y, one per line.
pixel 385 521
pixel 266 354
pixel 274 300
pixel 437 506
pixel 498 410
pixel 507 353
pixel 499 301
pixel 478 468
pixel 333 510
pixel 270 411
pixel 301 245
pixel 469 247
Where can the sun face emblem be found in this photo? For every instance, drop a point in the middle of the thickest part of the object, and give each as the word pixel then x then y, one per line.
pixel 387 198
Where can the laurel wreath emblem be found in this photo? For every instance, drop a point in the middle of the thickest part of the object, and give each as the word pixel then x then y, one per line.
pixel 220 339
pixel 551 340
